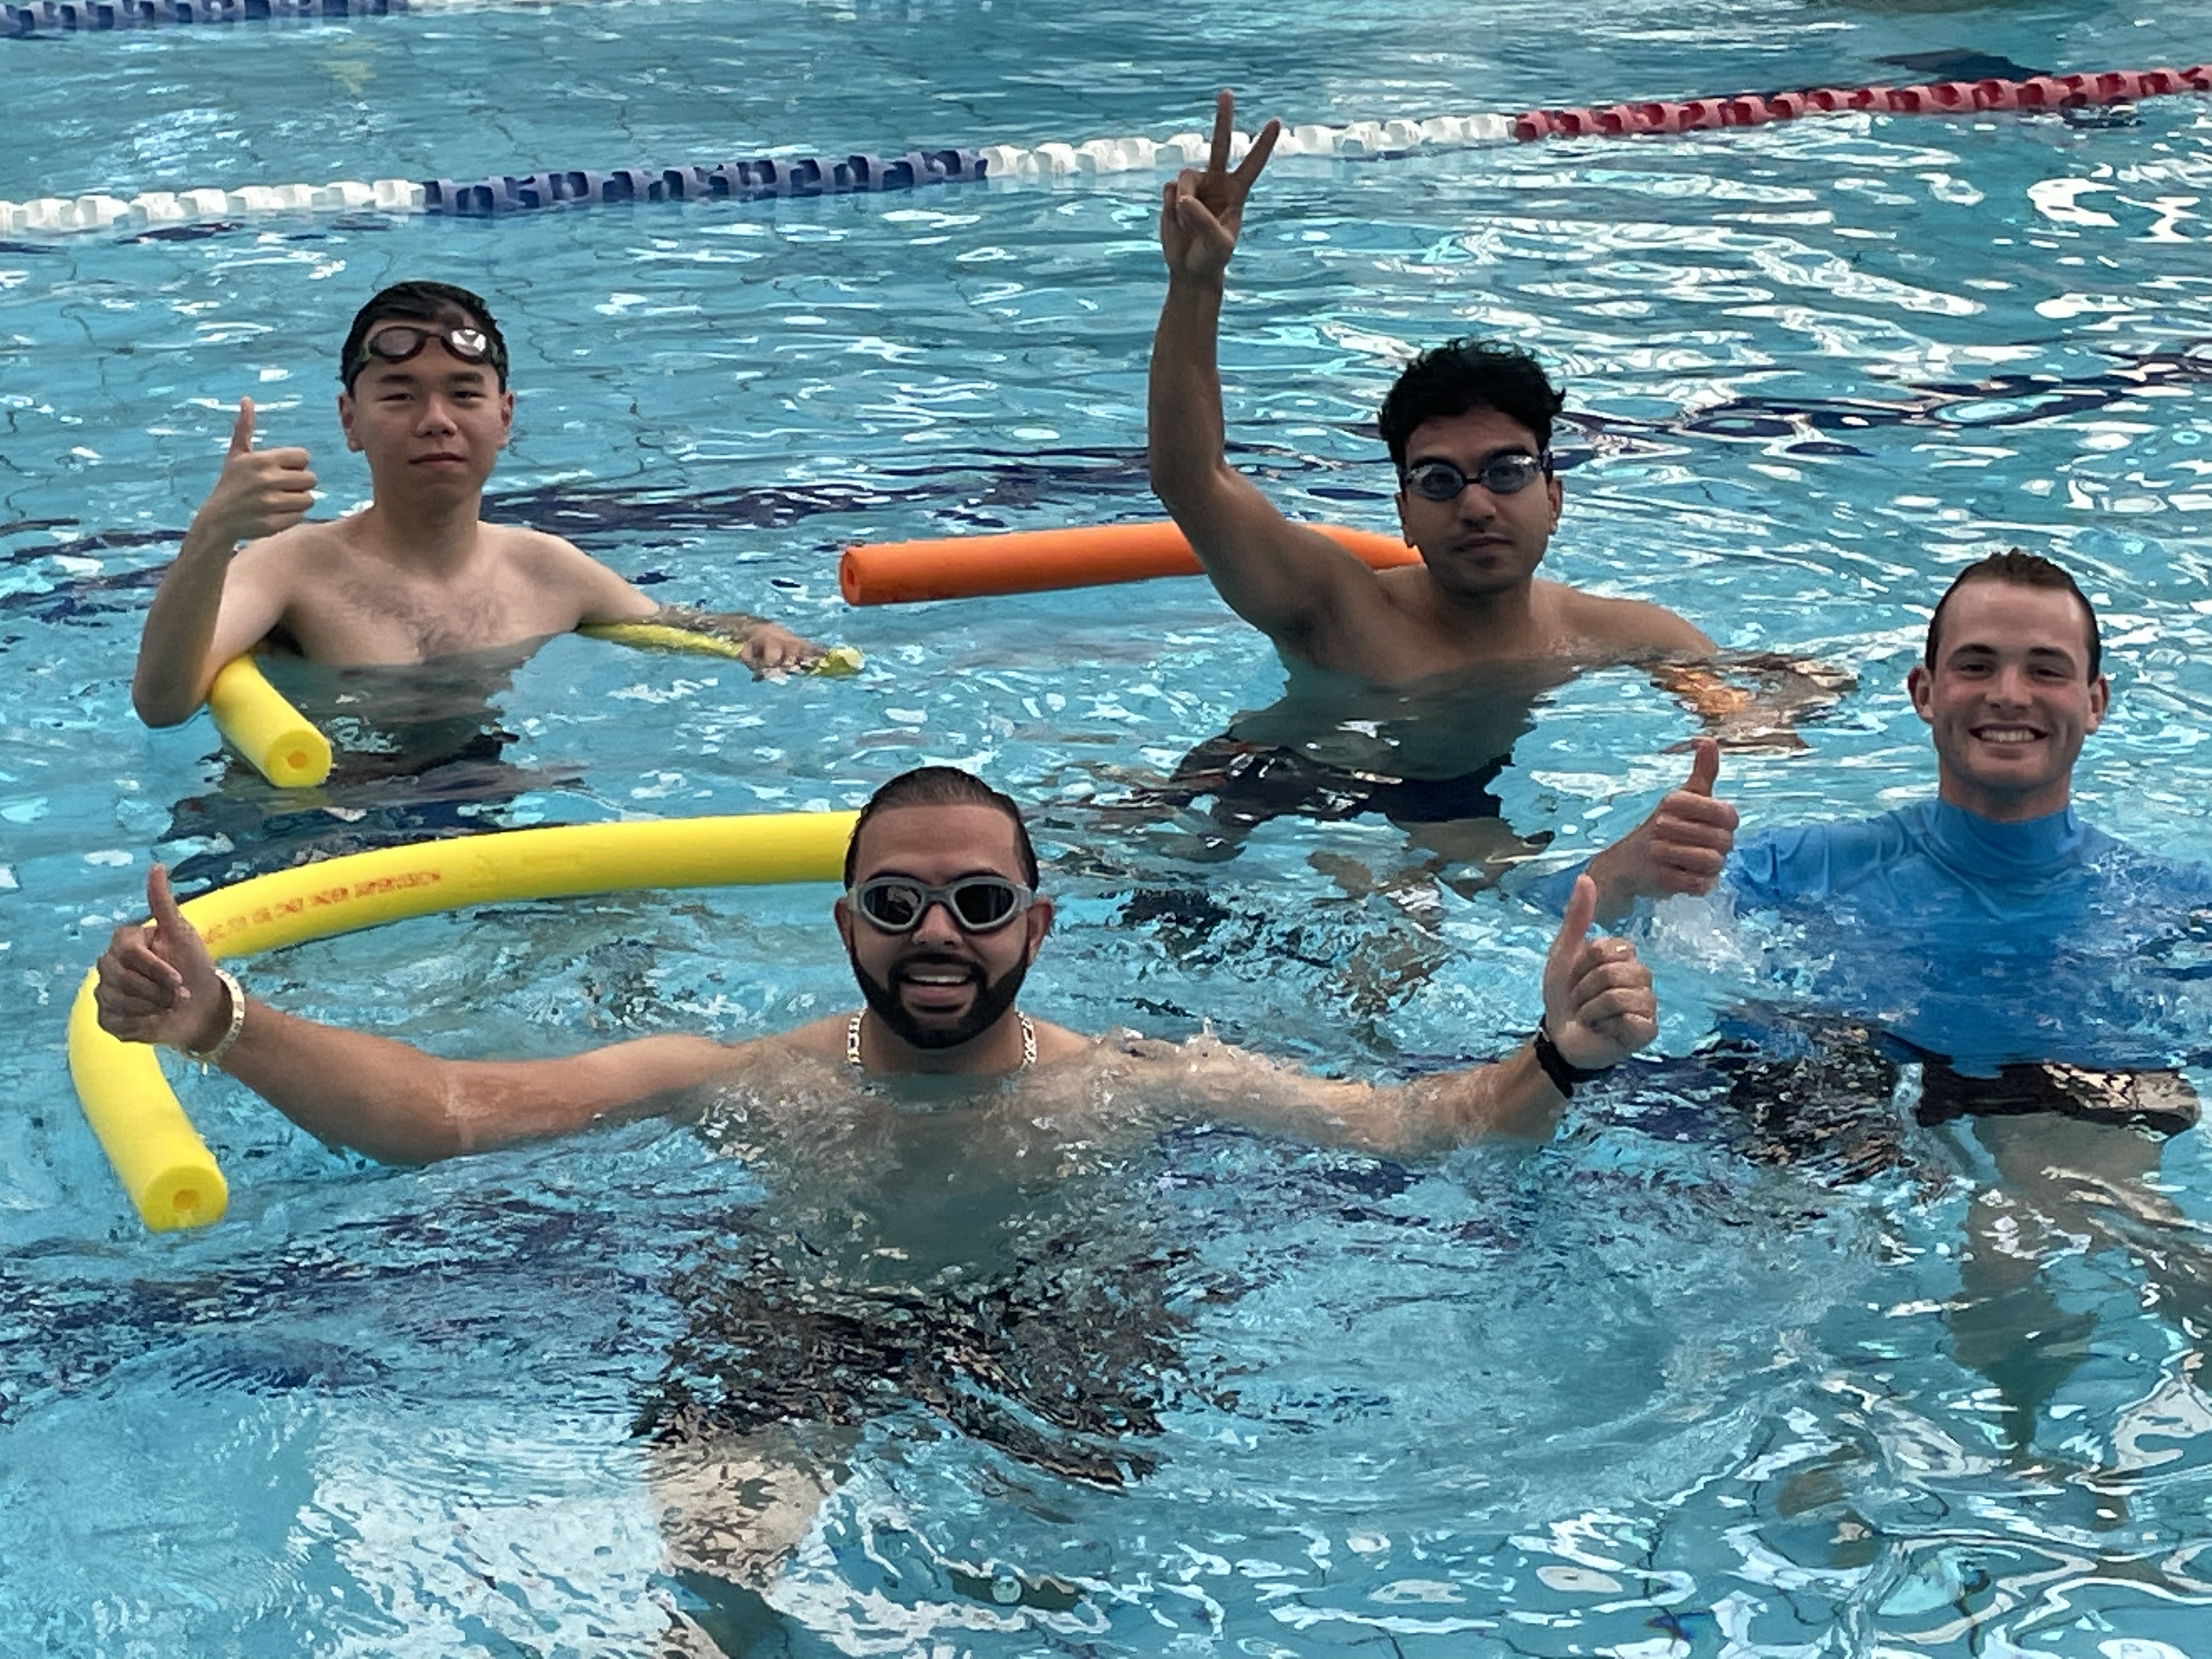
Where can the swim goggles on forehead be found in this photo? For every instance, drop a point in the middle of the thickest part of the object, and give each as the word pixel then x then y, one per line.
pixel 981 904
pixel 396 343
pixel 1507 473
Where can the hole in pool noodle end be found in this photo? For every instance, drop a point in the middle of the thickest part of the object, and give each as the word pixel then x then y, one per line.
pixel 166 1168
pixel 1046 560
pixel 273 737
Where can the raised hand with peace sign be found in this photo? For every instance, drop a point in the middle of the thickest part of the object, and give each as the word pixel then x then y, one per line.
pixel 1201 213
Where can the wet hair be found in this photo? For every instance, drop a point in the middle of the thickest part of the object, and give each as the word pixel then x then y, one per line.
pixel 421 302
pixel 2025 569
pixel 941 786
pixel 1463 374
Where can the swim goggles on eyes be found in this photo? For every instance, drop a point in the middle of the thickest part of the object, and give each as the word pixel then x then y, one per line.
pixel 981 904
pixel 1505 474
pixel 400 342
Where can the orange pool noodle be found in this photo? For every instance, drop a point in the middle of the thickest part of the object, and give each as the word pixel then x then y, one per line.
pixel 1041 561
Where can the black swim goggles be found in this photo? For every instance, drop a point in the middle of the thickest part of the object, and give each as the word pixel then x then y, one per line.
pixel 398 341
pixel 1506 473
pixel 981 904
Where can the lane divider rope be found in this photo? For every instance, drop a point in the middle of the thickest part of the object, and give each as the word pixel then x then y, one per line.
pixel 2037 93
pixel 21 20
pixel 862 173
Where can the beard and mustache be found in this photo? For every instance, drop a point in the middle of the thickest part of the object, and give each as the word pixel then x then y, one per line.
pixel 992 1000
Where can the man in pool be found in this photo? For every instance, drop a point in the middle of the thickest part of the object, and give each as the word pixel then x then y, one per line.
pixel 945 1177
pixel 1408 687
pixel 941 920
pixel 2014 952
pixel 416 576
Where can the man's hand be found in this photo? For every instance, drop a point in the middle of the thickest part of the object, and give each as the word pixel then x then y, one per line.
pixel 260 492
pixel 1200 213
pixel 1598 1004
pixel 158 984
pixel 1680 849
pixel 771 649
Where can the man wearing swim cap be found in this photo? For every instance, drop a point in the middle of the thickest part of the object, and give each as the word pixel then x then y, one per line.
pixel 418 575
pixel 2018 955
pixel 1408 687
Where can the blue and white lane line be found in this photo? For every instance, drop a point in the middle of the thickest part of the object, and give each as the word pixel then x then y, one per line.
pixel 802 176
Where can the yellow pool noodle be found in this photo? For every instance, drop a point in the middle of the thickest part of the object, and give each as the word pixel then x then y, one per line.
pixel 166 1168
pixel 276 739
pixel 283 745
pixel 835 663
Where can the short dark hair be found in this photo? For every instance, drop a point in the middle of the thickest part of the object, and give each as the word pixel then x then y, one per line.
pixel 941 786
pixel 421 302
pixel 1463 374
pixel 2028 569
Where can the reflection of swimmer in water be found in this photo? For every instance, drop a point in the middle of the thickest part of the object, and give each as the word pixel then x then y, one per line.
pixel 939 1093
pixel 1991 936
pixel 418 575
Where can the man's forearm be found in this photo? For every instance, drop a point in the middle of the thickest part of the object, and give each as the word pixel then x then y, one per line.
pixel 400 1105
pixel 347 1088
pixel 171 679
pixel 738 625
pixel 1187 438
pixel 1509 1097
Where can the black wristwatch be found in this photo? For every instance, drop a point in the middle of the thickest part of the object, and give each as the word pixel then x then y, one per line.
pixel 1556 1067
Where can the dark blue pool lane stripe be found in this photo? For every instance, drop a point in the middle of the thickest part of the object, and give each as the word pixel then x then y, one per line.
pixel 788 176
pixel 91 16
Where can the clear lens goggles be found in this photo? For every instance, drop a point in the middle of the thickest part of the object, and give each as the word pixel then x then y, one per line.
pixel 1505 474
pixel 981 904
pixel 399 342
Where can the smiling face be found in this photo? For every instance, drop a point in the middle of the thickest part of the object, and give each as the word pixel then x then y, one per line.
pixel 432 425
pixel 2010 699
pixel 941 994
pixel 1477 543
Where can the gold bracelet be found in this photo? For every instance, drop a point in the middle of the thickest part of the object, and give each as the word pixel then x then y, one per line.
pixel 204 1058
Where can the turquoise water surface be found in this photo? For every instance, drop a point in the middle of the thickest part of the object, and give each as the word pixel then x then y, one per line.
pixel 1633 1394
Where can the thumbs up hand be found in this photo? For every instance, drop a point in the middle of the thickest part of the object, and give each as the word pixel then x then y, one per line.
pixel 260 492
pixel 1680 849
pixel 1598 1002
pixel 158 984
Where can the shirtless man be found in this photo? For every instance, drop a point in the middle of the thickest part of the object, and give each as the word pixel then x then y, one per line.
pixel 1408 687
pixel 941 920
pixel 924 1158
pixel 418 575
pixel 1468 428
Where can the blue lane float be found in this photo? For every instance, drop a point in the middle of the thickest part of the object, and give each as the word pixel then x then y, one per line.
pixel 92 16
pixel 739 181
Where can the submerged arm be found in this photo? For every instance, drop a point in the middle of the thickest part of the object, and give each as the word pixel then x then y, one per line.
pixel 1763 715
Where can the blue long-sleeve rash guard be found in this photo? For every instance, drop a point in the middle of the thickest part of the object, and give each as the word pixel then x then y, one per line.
pixel 1988 942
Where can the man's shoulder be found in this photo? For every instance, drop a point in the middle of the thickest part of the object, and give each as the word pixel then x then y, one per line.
pixel 291 559
pixel 1596 621
pixel 537 548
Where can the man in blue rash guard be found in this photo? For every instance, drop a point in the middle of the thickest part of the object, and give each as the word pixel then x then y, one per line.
pixel 1974 914
pixel 2020 955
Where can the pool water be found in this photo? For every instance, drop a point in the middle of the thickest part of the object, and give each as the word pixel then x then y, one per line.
pixel 1635 1393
